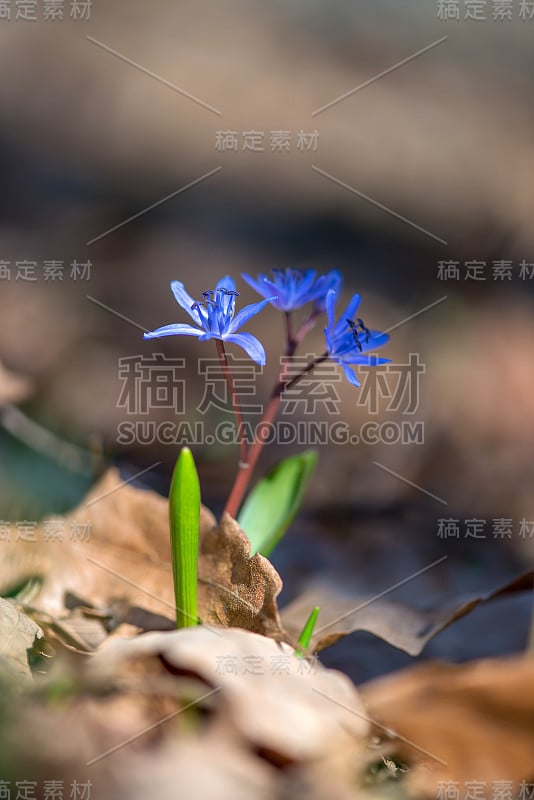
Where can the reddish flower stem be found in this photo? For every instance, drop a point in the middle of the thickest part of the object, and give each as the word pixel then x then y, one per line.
pixel 245 468
pixel 246 465
pixel 290 341
pixel 234 398
pixel 305 328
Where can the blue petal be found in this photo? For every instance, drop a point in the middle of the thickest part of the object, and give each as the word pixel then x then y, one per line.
pixel 370 361
pixel 305 283
pixel 332 280
pixel 277 294
pixel 258 285
pixel 179 329
pixel 350 375
pixel 252 346
pixel 226 283
pixel 350 311
pixel 246 313
pixel 294 287
pixel 376 339
pixel 270 286
pixel 184 299
pixel 331 308
pixel 352 307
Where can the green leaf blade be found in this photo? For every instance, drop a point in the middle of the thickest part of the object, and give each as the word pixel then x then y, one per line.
pixel 184 518
pixel 307 631
pixel 274 502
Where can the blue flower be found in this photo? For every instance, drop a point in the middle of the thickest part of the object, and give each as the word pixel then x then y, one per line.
pixel 293 287
pixel 347 340
pixel 215 314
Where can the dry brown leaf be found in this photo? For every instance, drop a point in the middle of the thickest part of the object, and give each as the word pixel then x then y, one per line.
pixel 407 628
pixel 128 534
pixel 126 563
pixel 58 739
pixel 152 759
pixel 82 629
pixel 284 706
pixel 18 637
pixel 118 721
pixel 478 718
pixel 208 769
pixel 236 590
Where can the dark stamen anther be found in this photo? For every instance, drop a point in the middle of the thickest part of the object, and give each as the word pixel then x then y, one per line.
pixel 205 302
pixel 356 339
pixel 365 329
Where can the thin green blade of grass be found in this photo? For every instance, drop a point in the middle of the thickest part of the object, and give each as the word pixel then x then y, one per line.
pixel 307 632
pixel 25 591
pixel 274 502
pixel 184 517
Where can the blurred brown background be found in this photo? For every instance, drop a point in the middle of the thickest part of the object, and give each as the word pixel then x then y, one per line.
pixel 445 141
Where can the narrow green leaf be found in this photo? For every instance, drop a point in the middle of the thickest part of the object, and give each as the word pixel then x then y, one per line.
pixel 26 590
pixel 184 516
pixel 272 505
pixel 307 631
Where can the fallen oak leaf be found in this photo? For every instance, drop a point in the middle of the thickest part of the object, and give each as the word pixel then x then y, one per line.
pixel 126 563
pixel 81 630
pixel 127 532
pixel 209 767
pixel 19 639
pixel 236 590
pixel 476 719
pixel 402 626
pixel 288 709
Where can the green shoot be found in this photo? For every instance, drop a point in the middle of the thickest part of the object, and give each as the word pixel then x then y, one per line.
pixel 307 632
pixel 184 517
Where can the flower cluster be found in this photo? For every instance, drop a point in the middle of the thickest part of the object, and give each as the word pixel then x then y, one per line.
pixel 348 340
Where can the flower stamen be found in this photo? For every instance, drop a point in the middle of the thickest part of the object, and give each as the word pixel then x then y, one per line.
pixel 196 307
pixel 365 330
pixel 357 329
